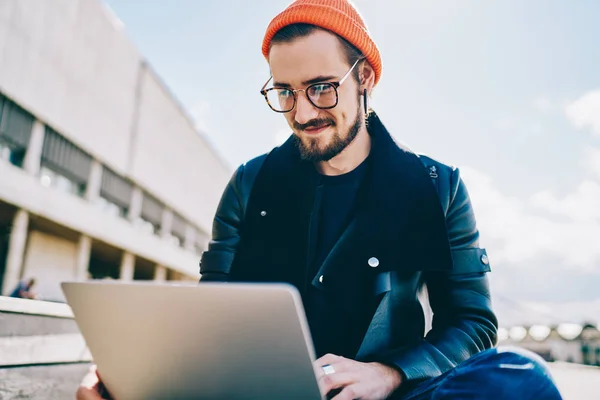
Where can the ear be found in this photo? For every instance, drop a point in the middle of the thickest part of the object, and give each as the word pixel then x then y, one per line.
pixel 367 76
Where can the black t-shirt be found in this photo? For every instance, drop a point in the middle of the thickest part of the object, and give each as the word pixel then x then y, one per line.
pixel 333 330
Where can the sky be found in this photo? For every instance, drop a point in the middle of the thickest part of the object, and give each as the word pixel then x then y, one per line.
pixel 508 91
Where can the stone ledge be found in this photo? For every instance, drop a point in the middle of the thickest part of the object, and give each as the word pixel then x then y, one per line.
pixel 35 307
pixel 43 349
pixel 41 382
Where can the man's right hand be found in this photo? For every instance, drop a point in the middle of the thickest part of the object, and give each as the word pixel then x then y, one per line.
pixel 91 387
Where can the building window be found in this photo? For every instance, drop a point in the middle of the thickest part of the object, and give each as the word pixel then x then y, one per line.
pixel 64 165
pixel 174 240
pixel 13 154
pixel 5 151
pixel 145 226
pixel 53 179
pixel 115 194
pixel 178 228
pixel 110 208
pixel 150 218
pixel 15 131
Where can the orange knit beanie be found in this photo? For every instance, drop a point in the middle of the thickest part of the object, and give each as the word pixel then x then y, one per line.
pixel 337 16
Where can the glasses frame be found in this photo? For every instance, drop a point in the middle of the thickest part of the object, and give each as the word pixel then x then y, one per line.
pixel 335 86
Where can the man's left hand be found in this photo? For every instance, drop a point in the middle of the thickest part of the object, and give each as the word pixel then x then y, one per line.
pixel 357 380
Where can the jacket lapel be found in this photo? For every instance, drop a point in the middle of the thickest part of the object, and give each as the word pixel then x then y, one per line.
pixel 399 220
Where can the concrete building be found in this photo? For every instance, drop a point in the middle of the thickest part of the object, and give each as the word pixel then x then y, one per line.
pixel 102 173
pixel 572 343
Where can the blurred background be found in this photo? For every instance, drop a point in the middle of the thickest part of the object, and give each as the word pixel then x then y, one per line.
pixel 121 122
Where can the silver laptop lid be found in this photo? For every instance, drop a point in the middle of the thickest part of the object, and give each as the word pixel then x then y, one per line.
pixel 207 341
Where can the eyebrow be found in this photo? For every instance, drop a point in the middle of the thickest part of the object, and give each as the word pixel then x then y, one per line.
pixel 317 79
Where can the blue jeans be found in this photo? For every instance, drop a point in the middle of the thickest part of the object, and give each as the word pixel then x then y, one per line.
pixel 499 373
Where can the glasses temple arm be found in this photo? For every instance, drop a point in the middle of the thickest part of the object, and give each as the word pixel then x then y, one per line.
pixel 265 85
pixel 350 70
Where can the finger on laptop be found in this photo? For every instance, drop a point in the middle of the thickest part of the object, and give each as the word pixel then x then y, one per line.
pixel 327 359
pixel 336 381
pixel 91 379
pixel 84 393
pixel 332 364
pixel 90 388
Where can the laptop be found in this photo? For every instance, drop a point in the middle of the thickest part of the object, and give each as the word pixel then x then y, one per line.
pixel 209 341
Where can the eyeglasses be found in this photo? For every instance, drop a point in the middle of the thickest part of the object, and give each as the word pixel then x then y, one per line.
pixel 323 95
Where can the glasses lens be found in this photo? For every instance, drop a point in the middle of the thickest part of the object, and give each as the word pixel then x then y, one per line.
pixel 281 99
pixel 322 95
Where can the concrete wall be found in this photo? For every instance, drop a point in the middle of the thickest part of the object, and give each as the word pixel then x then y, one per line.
pixel 70 63
pixel 65 62
pixel 169 158
pixel 567 351
pixel 50 260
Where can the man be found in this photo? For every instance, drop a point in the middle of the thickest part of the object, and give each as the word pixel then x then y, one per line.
pixel 359 225
pixel 24 290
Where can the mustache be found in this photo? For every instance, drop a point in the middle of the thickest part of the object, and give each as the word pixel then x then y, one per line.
pixel 315 123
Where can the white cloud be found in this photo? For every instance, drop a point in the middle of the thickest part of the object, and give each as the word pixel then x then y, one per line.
pixel 545 251
pixel 585 111
pixel 591 159
pixel 573 311
pixel 515 233
pixel 582 205
pixel 547 313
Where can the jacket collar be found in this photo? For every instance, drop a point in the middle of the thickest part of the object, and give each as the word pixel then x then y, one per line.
pixel 399 218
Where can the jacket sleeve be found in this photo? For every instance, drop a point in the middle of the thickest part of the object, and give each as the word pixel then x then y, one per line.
pixel 463 321
pixel 216 262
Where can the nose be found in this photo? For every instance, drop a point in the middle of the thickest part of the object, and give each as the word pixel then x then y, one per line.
pixel 305 111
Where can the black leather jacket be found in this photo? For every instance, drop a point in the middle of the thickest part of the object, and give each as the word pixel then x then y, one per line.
pixel 463 321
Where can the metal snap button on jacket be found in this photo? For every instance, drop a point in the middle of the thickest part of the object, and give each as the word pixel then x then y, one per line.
pixel 263 213
pixel 321 279
pixel 373 262
pixel 484 259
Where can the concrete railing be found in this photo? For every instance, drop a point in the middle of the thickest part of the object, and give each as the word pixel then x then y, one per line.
pixel 42 352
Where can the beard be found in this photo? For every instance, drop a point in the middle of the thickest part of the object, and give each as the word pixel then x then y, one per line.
pixel 310 149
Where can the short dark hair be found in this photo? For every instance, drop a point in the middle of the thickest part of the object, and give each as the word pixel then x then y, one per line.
pixel 291 32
